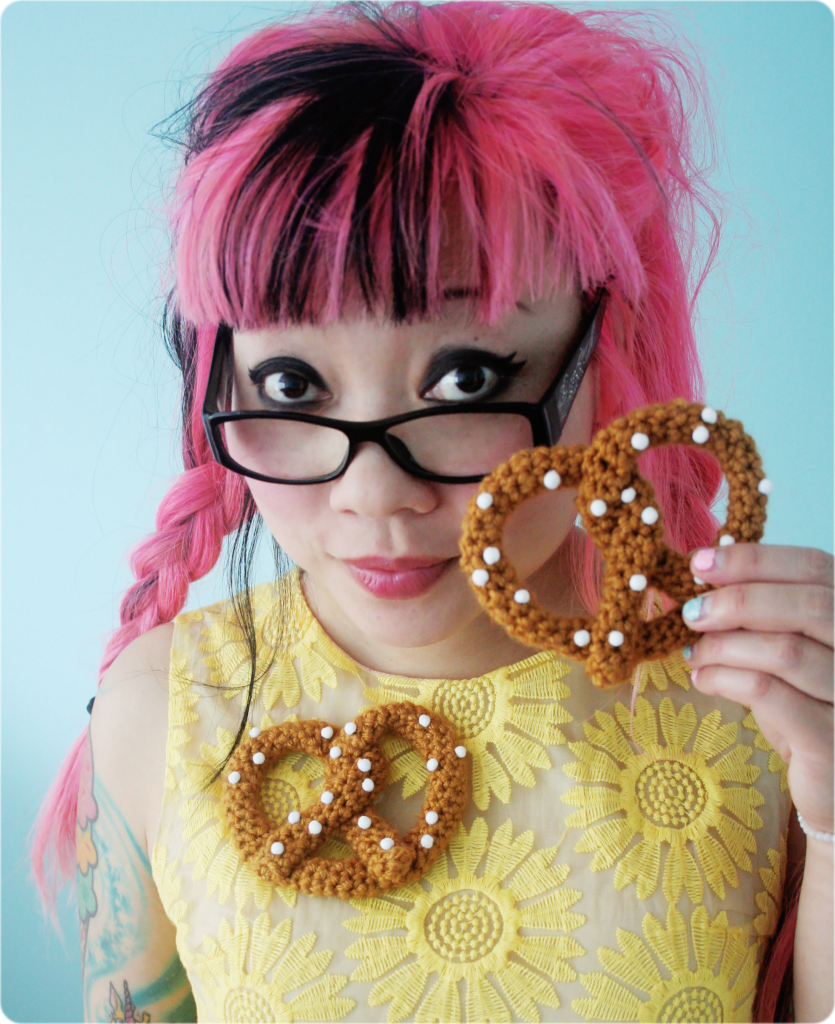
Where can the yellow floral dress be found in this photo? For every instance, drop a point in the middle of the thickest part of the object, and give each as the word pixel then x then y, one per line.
pixel 610 866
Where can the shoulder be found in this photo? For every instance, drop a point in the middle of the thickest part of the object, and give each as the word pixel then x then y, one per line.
pixel 137 681
pixel 129 729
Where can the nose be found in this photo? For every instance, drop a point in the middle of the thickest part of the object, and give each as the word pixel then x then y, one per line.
pixel 374 485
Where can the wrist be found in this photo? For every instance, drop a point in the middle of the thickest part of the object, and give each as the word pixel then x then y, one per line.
pixel 819 850
pixel 822 837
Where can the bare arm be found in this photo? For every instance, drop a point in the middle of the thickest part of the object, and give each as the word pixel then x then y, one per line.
pixel 813 937
pixel 130 966
pixel 768 641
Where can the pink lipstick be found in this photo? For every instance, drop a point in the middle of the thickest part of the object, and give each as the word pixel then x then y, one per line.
pixel 398 578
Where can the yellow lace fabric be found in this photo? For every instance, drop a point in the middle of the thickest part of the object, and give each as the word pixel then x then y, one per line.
pixel 605 869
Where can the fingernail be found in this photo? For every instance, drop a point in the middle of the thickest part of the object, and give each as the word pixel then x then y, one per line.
pixel 686 652
pixel 693 609
pixel 694 675
pixel 704 560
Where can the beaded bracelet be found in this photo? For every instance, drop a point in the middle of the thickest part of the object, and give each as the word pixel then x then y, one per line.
pixel 824 837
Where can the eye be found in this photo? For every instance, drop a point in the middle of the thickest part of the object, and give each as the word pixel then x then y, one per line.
pixel 469 375
pixel 468 382
pixel 288 387
pixel 288 381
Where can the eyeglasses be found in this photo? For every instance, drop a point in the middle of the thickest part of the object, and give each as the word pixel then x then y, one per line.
pixel 460 444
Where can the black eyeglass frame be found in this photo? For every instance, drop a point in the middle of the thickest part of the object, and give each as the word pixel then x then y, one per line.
pixel 547 416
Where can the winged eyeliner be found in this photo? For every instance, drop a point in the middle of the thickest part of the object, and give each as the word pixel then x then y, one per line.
pixel 441 364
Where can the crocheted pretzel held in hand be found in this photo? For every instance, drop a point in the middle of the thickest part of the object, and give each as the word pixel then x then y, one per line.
pixel 623 519
pixel 355 771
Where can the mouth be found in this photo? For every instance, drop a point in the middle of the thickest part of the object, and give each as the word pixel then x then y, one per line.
pixel 398 579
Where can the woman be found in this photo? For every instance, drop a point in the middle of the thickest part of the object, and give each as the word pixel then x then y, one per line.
pixel 382 212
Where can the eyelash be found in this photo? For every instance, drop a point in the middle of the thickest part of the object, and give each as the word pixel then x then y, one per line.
pixel 274 369
pixel 505 368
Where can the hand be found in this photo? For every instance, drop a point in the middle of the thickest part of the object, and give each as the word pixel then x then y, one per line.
pixel 767 642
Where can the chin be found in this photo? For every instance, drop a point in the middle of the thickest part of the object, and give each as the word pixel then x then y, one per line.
pixel 416 622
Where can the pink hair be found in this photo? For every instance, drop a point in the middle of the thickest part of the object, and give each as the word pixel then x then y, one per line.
pixel 204 505
pixel 565 141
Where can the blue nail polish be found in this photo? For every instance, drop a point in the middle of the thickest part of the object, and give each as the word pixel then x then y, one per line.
pixel 686 652
pixel 693 609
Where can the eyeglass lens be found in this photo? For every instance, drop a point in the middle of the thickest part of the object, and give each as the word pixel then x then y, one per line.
pixel 450 445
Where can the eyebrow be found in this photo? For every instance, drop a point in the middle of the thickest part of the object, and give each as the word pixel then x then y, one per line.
pixel 467 293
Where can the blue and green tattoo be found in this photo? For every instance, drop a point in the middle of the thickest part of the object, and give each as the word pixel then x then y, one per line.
pixel 114 877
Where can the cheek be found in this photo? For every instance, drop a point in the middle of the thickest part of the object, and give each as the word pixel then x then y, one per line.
pixel 290 513
pixel 536 529
pixel 539 526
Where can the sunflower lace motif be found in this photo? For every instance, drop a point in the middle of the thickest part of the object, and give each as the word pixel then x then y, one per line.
pixel 776 764
pixel 516 712
pixel 659 967
pixel 660 674
pixel 770 899
pixel 286 633
pixel 689 792
pixel 465 926
pixel 248 971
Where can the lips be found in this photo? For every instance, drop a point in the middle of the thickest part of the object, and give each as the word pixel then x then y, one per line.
pixel 394 564
pixel 398 578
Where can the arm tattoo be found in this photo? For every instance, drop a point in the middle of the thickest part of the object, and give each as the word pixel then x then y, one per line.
pixel 172 981
pixel 114 878
pixel 86 854
pixel 126 1011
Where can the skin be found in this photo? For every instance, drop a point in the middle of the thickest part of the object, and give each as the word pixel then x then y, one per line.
pixel 768 632
pixel 765 639
pixel 373 370
pixel 130 966
pixel 373 509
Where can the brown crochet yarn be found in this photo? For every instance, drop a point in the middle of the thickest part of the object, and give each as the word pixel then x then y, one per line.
pixel 285 854
pixel 623 519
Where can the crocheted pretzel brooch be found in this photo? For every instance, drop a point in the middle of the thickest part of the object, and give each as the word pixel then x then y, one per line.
pixel 623 519
pixel 355 769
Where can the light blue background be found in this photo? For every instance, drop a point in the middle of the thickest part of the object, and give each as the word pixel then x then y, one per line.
pixel 89 397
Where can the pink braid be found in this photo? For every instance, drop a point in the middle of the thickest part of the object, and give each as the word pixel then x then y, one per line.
pixel 205 504
pixel 192 520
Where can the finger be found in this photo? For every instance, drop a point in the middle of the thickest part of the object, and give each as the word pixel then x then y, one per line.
pixel 765 608
pixel 797 727
pixel 802 663
pixel 764 563
pixel 790 720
